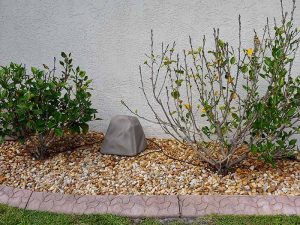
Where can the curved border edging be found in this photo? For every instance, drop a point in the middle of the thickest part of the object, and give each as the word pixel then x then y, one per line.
pixel 160 206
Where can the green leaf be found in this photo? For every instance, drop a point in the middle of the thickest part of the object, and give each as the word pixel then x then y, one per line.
pixel 291 112
pixel 179 71
pixel 178 82
pixel 293 142
pixel 244 69
pixel 268 61
pixel 168 62
pixel 232 60
pixel 221 43
pixel 235 116
pixel 58 132
pixel 175 94
pixel 63 55
pixel 34 70
pixel 253 148
pixel 1 139
pixel 84 127
pixel 82 74
pixel 222 107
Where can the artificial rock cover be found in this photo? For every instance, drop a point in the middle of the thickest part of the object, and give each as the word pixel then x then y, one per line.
pixel 124 136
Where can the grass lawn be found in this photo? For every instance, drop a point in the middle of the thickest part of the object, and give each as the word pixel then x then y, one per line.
pixel 13 216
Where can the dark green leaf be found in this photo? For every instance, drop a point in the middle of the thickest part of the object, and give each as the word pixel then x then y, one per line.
pixel 58 132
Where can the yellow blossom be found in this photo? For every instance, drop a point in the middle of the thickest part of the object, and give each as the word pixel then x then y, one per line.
pixel 188 106
pixel 233 96
pixel 230 79
pixel 203 110
pixel 249 52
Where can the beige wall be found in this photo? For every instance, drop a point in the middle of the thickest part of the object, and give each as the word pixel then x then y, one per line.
pixel 108 38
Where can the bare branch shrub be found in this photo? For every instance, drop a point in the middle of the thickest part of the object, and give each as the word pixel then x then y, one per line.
pixel 212 99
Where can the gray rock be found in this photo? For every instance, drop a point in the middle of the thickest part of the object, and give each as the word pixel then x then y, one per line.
pixel 124 136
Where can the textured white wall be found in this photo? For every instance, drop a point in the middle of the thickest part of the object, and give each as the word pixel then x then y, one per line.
pixel 108 38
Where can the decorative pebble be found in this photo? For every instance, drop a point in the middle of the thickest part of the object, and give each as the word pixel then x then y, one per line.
pixel 86 171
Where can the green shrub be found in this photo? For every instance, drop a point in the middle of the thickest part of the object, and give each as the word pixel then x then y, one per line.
pixel 213 99
pixel 275 129
pixel 41 105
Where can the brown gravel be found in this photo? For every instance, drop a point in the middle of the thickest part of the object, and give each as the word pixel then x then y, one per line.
pixel 85 170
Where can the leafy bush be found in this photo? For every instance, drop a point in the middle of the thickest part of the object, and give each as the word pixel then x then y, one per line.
pixel 273 132
pixel 213 99
pixel 41 105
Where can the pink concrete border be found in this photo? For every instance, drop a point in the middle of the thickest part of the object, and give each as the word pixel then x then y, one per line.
pixel 160 206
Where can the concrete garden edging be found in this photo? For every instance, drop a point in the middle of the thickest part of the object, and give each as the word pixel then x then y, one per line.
pixel 160 206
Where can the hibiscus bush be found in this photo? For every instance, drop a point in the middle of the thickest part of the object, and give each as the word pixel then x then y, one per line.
pixel 215 100
pixel 40 105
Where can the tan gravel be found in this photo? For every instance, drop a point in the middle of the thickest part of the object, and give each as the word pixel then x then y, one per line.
pixel 85 170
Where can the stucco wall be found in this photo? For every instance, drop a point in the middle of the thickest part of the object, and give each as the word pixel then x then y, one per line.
pixel 108 38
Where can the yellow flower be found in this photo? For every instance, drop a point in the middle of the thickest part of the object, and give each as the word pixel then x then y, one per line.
pixel 188 106
pixel 249 52
pixel 230 79
pixel 233 96
pixel 203 110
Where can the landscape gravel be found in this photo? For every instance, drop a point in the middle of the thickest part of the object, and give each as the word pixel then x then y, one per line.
pixel 84 170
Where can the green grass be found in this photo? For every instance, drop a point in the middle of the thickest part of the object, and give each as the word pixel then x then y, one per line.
pixel 14 216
